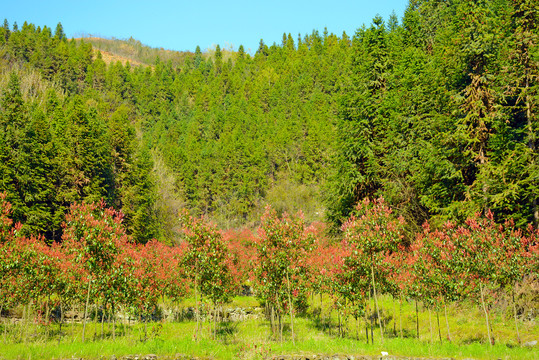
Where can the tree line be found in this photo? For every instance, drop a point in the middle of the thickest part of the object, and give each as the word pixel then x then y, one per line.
pixel 98 267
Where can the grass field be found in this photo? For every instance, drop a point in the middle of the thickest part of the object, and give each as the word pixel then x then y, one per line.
pixel 251 339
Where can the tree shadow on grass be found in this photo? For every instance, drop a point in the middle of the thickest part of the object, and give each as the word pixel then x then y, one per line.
pixel 227 331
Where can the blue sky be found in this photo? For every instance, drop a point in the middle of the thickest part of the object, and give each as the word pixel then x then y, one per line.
pixel 182 25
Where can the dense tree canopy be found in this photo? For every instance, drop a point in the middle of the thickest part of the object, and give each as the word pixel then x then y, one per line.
pixel 437 113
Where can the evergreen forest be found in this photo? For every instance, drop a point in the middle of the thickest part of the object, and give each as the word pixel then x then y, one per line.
pixel 435 112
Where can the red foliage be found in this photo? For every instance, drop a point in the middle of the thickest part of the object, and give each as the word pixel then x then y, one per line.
pixel 242 248
pixel 207 259
pixel 5 221
pixel 372 236
pixel 284 246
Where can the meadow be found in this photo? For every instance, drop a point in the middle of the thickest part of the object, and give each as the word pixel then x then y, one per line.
pixel 252 338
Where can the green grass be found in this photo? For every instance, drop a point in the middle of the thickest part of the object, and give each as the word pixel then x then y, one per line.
pixel 251 339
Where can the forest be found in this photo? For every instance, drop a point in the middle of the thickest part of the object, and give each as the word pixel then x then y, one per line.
pixel 436 113
pixel 408 150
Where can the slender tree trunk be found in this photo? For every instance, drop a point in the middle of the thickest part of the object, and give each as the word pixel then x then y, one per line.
pixel 197 314
pixel 214 322
pixel 394 316
pixel 376 301
pixel 61 319
pixel 102 320
pixel 515 314
pixel 46 315
pixel 113 323
pixel 291 306
pixel 125 323
pixel 72 327
pixel 29 318
pixel 96 321
pixel 416 319
pixel 439 330
pixel 486 313
pixel 400 314
pixel 372 319
pixel 340 324
pixel 366 318
pixel 372 328
pixel 281 323
pixel 447 323
pixel 4 322
pixel 367 329
pixel 329 319
pixel 273 321
pixel 85 309
pixel 109 319
pixel 320 315
pixel 430 324
pixel 357 328
pixel 23 323
pixel 5 330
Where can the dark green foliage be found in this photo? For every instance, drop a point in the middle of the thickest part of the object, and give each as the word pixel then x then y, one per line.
pixel 57 148
pixel 430 119
pixel 59 32
pixel 437 114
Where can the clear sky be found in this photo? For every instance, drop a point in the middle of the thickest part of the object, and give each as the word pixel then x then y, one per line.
pixel 182 25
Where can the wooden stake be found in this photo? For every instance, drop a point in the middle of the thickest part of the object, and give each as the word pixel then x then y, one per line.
pixel 416 319
pixel 430 324
pixel 439 331
pixel 400 314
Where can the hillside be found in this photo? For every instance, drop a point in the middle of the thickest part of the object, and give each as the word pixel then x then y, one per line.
pixel 133 51
pixel 436 113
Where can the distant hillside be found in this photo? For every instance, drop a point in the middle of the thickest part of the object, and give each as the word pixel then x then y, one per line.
pixel 437 115
pixel 133 51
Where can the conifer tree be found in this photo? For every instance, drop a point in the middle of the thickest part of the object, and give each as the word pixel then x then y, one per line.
pixel 59 32
pixel 5 32
pixel 12 125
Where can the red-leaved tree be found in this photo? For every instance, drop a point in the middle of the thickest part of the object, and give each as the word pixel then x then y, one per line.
pixel 96 236
pixel 283 247
pixel 208 263
pixel 371 234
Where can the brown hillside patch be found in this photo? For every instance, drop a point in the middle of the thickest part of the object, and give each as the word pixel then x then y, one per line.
pixel 109 57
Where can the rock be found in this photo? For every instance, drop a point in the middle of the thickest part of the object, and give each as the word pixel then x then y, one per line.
pixel 530 343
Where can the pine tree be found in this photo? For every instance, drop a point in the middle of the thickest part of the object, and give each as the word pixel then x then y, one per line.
pixel 198 57
pixel 138 200
pixel 5 32
pixel 361 127
pixel 12 125
pixel 59 32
